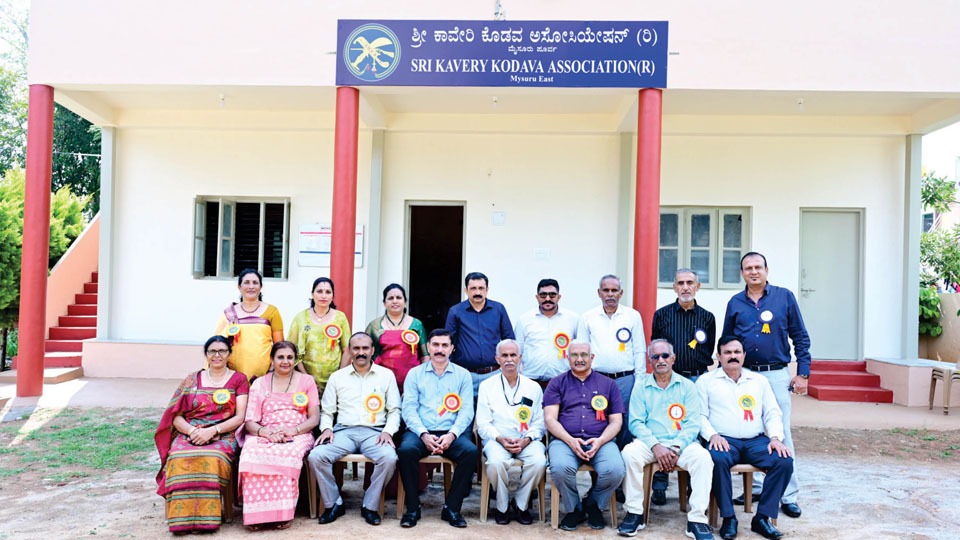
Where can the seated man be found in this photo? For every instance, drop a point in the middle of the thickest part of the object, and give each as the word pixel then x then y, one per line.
pixel 665 421
pixel 510 423
pixel 438 409
pixel 583 411
pixel 738 407
pixel 365 400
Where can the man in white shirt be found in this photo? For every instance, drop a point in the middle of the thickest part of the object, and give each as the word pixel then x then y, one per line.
pixel 545 333
pixel 365 400
pixel 743 424
pixel 510 423
pixel 615 334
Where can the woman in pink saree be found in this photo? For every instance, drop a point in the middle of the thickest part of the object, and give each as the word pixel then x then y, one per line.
pixel 282 410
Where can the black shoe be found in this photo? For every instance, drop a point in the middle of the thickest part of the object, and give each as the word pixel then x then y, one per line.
pixel 371 516
pixel 331 514
pixel 659 497
pixel 728 529
pixel 410 519
pixel 739 500
pixel 791 509
pixel 523 517
pixel 453 518
pixel 502 518
pixel 573 519
pixel 762 526
pixel 621 498
pixel 631 524
pixel 699 531
pixel 594 515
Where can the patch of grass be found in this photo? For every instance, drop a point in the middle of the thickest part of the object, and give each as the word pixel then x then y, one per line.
pixel 63 477
pixel 929 437
pixel 8 451
pixel 5 472
pixel 946 453
pixel 96 442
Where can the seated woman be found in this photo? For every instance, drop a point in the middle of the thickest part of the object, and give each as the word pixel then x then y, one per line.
pixel 282 410
pixel 196 441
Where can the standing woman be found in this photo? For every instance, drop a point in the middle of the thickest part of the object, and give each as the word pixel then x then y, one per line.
pixel 282 410
pixel 398 338
pixel 196 441
pixel 253 324
pixel 322 334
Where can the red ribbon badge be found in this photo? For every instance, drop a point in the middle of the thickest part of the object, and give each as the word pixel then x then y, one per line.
pixel 333 333
pixel 747 403
pixel 677 413
pixel 523 415
pixel 451 402
pixel 599 403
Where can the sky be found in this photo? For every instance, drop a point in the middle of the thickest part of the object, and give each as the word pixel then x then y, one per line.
pixel 941 150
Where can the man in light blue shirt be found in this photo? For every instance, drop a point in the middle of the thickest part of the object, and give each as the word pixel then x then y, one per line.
pixel 438 409
pixel 665 421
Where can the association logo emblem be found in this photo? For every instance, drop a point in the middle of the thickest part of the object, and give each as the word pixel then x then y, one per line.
pixel 371 52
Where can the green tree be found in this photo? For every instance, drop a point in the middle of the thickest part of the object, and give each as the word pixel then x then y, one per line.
pixel 937 193
pixel 76 156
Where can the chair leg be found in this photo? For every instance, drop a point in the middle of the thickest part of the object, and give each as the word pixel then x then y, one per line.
pixel 748 492
pixel 400 495
pixel 683 480
pixel 613 509
pixel 447 476
pixel 338 469
pixel 712 512
pixel 226 499
pixel 647 479
pixel 542 503
pixel 947 383
pixel 933 386
pixel 554 505
pixel 356 470
pixel 484 493
pixel 383 498
pixel 312 489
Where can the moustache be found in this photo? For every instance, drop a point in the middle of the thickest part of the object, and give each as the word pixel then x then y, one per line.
pixel 361 355
pixel 733 361
pixel 478 296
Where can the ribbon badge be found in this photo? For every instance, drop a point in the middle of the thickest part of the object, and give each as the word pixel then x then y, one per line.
pixel 373 404
pixel 766 317
pixel 562 341
pixel 300 400
pixel 523 415
pixel 599 403
pixel 677 413
pixel 333 333
pixel 451 402
pixel 623 336
pixel 221 396
pixel 699 336
pixel 411 338
pixel 747 403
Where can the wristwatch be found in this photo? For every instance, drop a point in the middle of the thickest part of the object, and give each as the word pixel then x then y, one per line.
pixel 218 429
pixel 805 376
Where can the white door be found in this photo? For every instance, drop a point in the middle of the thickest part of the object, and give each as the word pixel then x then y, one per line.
pixel 830 282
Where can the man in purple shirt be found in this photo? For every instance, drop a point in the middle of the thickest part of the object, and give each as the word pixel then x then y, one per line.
pixel 583 412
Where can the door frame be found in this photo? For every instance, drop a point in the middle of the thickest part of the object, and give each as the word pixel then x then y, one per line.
pixel 408 205
pixel 861 241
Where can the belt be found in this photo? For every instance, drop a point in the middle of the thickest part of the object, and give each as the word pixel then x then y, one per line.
pixel 618 374
pixel 483 370
pixel 767 367
pixel 689 374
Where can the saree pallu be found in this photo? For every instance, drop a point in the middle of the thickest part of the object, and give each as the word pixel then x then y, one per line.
pixel 269 472
pixel 251 346
pixel 319 355
pixel 191 477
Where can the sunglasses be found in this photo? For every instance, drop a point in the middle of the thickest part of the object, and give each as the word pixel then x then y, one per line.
pixel 659 356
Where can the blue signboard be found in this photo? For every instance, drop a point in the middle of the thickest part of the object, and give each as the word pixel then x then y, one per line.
pixel 623 54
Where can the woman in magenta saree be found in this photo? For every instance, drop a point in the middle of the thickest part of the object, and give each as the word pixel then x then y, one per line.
pixel 196 441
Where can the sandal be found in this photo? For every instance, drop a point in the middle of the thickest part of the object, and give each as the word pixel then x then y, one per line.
pixel 283 525
pixel 254 528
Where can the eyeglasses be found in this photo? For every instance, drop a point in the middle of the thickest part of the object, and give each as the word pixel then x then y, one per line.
pixel 661 355
pixel 218 352
pixel 584 355
pixel 547 295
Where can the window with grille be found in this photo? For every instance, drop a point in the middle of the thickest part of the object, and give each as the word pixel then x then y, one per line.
pixel 231 234
pixel 707 240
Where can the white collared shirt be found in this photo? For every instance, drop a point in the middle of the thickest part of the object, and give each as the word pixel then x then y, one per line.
pixel 720 406
pixel 601 331
pixel 535 333
pixel 496 414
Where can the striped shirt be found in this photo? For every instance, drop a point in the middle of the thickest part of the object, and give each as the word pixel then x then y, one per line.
pixel 679 326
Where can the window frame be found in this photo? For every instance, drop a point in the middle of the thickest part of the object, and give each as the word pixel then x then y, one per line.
pixel 715 245
pixel 200 206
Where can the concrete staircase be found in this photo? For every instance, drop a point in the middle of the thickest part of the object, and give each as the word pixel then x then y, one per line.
pixel 832 380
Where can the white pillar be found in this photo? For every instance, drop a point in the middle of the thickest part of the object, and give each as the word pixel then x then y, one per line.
pixel 108 148
pixel 373 289
pixel 912 221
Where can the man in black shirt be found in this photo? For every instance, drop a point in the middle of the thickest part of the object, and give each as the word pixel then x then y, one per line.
pixel 692 331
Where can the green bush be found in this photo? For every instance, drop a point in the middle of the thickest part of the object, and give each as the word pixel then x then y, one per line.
pixel 930 312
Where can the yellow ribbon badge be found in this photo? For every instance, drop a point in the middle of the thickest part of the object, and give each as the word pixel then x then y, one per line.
pixel 623 336
pixel 747 403
pixel 699 337
pixel 766 317
pixel 411 338
pixel 221 396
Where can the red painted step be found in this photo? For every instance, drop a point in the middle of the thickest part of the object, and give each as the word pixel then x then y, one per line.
pixel 89 321
pixel 851 393
pixel 837 365
pixel 844 378
pixel 95 277
pixel 55 345
pixel 90 287
pixel 85 298
pixel 82 309
pixel 73 332
pixel 62 359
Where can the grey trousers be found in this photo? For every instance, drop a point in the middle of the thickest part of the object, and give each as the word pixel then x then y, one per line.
pixel 499 461
pixel 780 381
pixel 350 440
pixel 563 469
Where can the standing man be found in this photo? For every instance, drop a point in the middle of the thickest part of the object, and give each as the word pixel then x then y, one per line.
pixel 510 423
pixel 615 334
pixel 764 316
pixel 476 326
pixel 743 424
pixel 365 400
pixel 665 421
pixel 438 409
pixel 691 330
pixel 545 334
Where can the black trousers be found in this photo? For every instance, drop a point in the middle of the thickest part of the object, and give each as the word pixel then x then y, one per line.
pixel 462 452
pixel 754 452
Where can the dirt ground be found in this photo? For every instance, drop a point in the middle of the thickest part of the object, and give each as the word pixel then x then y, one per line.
pixel 854 484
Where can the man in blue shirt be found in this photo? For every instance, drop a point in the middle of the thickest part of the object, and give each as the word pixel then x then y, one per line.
pixel 476 326
pixel 765 316
pixel 438 409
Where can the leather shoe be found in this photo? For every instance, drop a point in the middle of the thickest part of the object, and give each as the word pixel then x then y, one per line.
pixel 739 500
pixel 631 524
pixel 762 526
pixel 573 519
pixel 502 518
pixel 371 516
pixel 453 518
pixel 523 517
pixel 594 515
pixel 728 529
pixel 791 509
pixel 410 519
pixel 331 514
pixel 659 497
